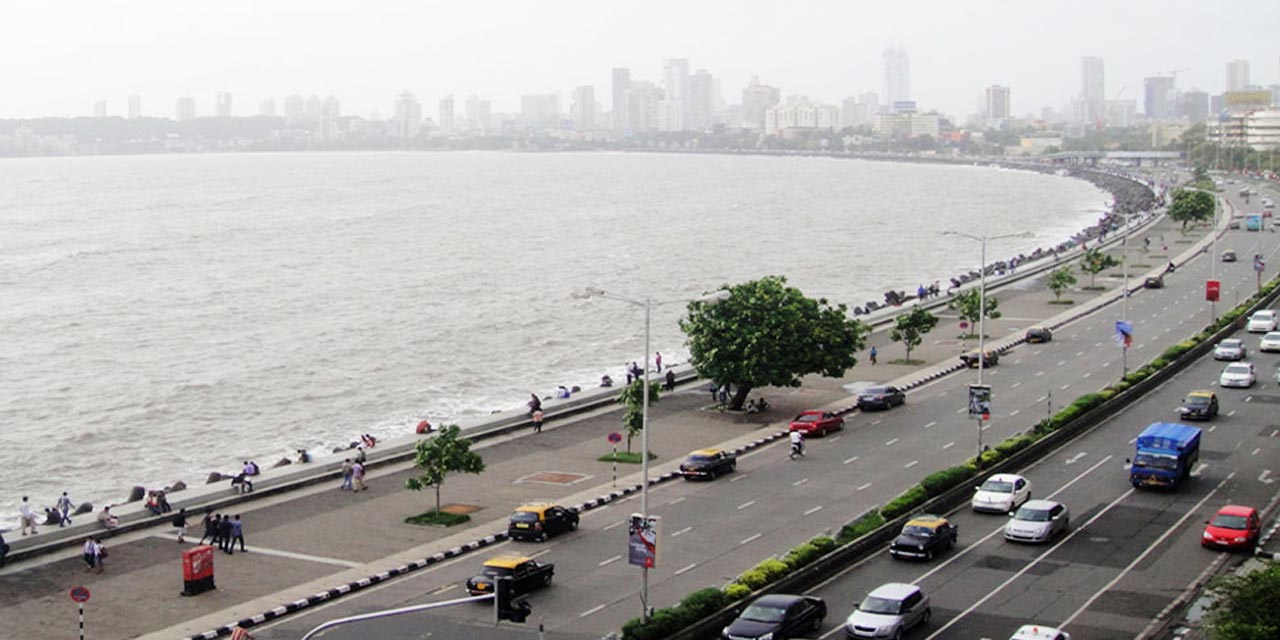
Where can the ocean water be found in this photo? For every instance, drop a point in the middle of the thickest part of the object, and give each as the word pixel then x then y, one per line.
pixel 167 316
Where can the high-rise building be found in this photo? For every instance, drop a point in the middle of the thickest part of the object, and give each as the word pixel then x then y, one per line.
pixel 267 108
pixel 702 99
pixel 675 74
pixel 479 115
pixel 446 114
pixel 621 86
pixel 1093 97
pixel 100 109
pixel 408 115
pixel 642 106
pixel 327 123
pixel 755 99
pixel 312 107
pixel 223 102
pixel 135 106
pixel 1195 106
pixel 186 108
pixel 540 111
pixel 294 109
pixel 584 108
pixel 1238 75
pixel 996 106
pixel 897 75
pixel 1158 97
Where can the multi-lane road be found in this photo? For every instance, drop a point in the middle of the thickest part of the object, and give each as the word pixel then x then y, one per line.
pixel 1128 556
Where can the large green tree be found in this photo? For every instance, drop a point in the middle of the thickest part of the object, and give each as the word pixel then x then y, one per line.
pixel 910 327
pixel 1094 261
pixel 1190 205
pixel 767 333
pixel 631 397
pixel 967 303
pixel 1245 607
pixel 440 455
pixel 1060 280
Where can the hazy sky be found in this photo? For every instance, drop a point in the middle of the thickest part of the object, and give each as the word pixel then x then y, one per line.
pixel 59 57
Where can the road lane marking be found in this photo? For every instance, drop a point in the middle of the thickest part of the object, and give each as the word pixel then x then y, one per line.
pixel 834 438
pixel 911 464
pixel 812 511
pixel 302 556
pixel 1231 413
pixel 1076 458
pixel 749 539
pixel 1275 432
pixel 1200 469
pixel 448 587
pixel 539 554
pixel 877 421
pixel 1255 451
pixel 1039 373
pixel 609 561
pixel 891 442
pixel 684 569
pixel 848 460
pixel 800 482
pixel 676 501
pixel 616 524
pixel 931 424
pixel 1015 385
pixel 738 477
pixel 1079 354
pixel 1066 386
pixel 591 610
pixel 864 487
pixel 1062 363
pixel 1014 412
pixel 1177 526
pixel 746 504
pixel 1041 399
pixel 1212 427
pixel 682 532
pixel 1265 477
pixel 1087 374
pixel 949 444
pixel 961 410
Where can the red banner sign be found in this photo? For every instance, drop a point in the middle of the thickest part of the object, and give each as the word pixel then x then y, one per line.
pixel 1211 290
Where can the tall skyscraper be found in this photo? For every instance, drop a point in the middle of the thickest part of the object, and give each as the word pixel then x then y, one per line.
pixel 312 108
pixel 1238 75
pixel 996 110
pixel 1195 106
pixel 756 98
pixel 479 115
pixel 100 109
pixel 1093 97
pixel 327 123
pixel 223 101
pixel 1157 100
pixel 186 108
pixel 408 115
pixel 294 109
pixel 642 106
pixel 135 106
pixel 702 98
pixel 267 108
pixel 584 108
pixel 446 114
pixel 621 87
pixel 675 74
pixel 897 75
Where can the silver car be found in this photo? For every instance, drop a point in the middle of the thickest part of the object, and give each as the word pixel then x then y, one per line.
pixel 1037 521
pixel 889 612
pixel 1230 349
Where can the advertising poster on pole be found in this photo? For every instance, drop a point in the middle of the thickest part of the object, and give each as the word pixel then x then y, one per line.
pixel 980 401
pixel 642 541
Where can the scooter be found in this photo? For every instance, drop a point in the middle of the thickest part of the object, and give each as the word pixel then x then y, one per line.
pixel 797 449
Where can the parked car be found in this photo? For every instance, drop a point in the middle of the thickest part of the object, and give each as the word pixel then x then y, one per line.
pixel 1270 342
pixel 1231 349
pixel 989 359
pixel 1229 256
pixel 1039 334
pixel 1234 224
pixel 708 464
pixel 1238 374
pixel 1037 632
pixel 817 423
pixel 1199 405
pixel 777 617
pixel 924 537
pixel 526 575
pixel 880 396
pixel 541 520
pixel 1154 282
pixel 1037 521
pixel 889 611
pixel 1233 527
pixel 1001 493
pixel 1262 321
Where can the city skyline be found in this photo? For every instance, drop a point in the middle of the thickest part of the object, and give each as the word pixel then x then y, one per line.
pixel 441 59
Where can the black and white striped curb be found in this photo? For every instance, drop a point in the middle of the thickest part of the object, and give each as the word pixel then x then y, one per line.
pixel 356 585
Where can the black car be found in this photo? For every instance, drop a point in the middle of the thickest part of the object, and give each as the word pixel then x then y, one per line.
pixel 1039 334
pixel 541 520
pixel 989 359
pixel 777 616
pixel 1229 256
pixel 708 463
pixel 526 575
pixel 1199 405
pixel 880 397
pixel 924 537
pixel 1154 282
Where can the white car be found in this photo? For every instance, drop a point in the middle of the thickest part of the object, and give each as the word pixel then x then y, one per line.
pixel 1231 349
pixel 1238 374
pixel 1037 521
pixel 1262 321
pixel 889 612
pixel 1037 632
pixel 1270 342
pixel 1001 493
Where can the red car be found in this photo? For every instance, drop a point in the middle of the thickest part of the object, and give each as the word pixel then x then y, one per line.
pixel 1234 527
pixel 817 423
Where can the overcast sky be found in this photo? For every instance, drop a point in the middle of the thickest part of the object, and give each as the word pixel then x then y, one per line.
pixel 59 57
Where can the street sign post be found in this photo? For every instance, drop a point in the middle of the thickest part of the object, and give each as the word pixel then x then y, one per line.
pixel 614 439
pixel 80 595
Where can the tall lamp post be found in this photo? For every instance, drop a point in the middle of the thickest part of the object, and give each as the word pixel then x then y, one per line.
pixel 647 305
pixel 982 311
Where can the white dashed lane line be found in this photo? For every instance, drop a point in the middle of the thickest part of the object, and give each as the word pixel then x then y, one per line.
pixel 949 445
pixel 746 504
pixel 848 460
pixel 609 561
pixel 750 539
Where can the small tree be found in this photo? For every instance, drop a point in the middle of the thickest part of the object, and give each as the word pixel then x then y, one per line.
pixel 631 397
pixel 1060 280
pixel 968 304
pixel 1245 608
pixel 1191 206
pixel 440 455
pixel 910 328
pixel 1094 261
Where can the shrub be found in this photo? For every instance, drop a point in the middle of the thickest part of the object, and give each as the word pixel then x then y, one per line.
pixel 773 569
pixel 1014 445
pixel 1066 415
pixel 823 544
pixel 662 624
pixel 937 483
pixel 753 579
pixel 703 602
pixel 1107 393
pixel 1087 401
pixel 734 592
pixel 912 498
pixel 1119 386
pixel 1160 363
pixel 801 556
pixel 860 527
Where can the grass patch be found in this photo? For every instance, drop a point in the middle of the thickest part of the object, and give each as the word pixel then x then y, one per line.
pixel 972 336
pixel 1184 241
pixel 1094 288
pixel 435 518
pixel 1062 302
pixel 625 457
pixel 1139 265
pixel 906 361
pixel 1115 275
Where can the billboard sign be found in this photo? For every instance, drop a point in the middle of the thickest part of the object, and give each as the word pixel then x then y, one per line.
pixel 642 541
pixel 980 401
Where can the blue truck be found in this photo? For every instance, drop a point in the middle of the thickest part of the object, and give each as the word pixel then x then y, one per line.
pixel 1166 454
pixel 1253 222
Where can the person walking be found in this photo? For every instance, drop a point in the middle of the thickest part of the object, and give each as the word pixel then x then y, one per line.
pixel 671 381
pixel 360 455
pixel 357 476
pixel 657 360
pixel 237 535
pixel 534 403
pixel 346 475
pixel 873 354
pixel 94 552
pixel 28 518
pixel 537 421
pixel 180 523
pixel 64 509
pixel 224 534
pixel 210 529
pixel 216 539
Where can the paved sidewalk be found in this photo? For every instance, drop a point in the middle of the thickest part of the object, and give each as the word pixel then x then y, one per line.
pixel 317 538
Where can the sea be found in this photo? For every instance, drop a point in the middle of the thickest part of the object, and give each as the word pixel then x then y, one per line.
pixel 165 316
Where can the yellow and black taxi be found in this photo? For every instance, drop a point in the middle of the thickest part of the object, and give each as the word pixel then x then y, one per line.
pixel 924 537
pixel 708 464
pixel 988 359
pixel 541 520
pixel 1038 334
pixel 526 575
pixel 1199 405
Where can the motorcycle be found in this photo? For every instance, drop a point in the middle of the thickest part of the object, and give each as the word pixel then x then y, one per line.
pixel 797 449
pixel 1171 268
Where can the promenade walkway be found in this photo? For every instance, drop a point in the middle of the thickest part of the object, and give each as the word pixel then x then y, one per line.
pixel 315 538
